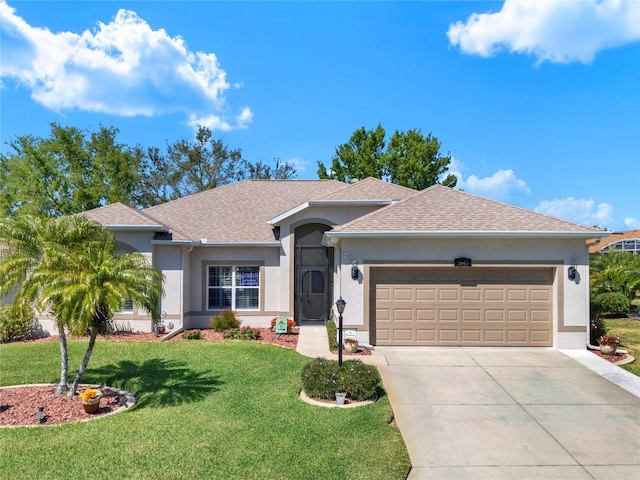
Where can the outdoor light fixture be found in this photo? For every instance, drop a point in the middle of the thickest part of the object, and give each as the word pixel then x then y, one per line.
pixel 355 273
pixel 40 415
pixel 340 304
pixel 572 272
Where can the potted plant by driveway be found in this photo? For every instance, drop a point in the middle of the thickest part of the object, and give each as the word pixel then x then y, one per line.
pixel 350 345
pixel 608 345
pixel 90 398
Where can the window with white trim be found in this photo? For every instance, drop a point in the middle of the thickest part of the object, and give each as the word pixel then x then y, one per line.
pixel 234 287
pixel 127 307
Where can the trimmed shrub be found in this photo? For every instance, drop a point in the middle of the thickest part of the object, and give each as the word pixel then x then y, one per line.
pixel 16 323
pixel 322 378
pixel 611 304
pixel 598 329
pixel 244 333
pixel 224 321
pixel 332 333
pixel 192 335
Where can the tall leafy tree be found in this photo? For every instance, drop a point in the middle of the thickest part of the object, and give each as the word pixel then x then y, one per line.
pixel 193 166
pixel 68 172
pixel 263 171
pixel 411 159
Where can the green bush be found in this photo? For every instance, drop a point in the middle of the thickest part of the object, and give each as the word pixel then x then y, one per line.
pixel 244 333
pixel 192 335
pixel 611 304
pixel 225 321
pixel 16 323
pixel 322 378
pixel 332 333
pixel 598 329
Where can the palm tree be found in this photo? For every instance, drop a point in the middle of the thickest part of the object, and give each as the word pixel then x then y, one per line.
pixel 69 266
pixel 613 271
pixel 90 285
pixel 25 241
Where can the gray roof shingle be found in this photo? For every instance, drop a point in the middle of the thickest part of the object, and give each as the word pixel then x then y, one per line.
pixel 442 209
pixel 238 212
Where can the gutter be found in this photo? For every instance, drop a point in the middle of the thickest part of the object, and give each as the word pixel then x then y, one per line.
pixel 332 237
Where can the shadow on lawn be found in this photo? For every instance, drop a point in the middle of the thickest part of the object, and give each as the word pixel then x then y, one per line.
pixel 156 382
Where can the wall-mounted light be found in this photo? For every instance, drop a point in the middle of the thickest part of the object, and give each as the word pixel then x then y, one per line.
pixel 572 272
pixel 355 273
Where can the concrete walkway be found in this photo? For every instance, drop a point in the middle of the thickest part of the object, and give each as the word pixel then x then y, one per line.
pixel 480 413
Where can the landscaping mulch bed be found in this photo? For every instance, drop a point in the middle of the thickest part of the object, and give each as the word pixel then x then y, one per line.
pixel 18 405
pixel 616 357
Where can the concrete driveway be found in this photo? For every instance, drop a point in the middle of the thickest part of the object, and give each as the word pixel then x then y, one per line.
pixel 504 414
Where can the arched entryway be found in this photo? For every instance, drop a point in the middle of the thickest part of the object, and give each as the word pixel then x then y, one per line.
pixel 313 267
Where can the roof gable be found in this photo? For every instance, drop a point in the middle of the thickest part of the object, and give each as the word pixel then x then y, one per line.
pixel 439 209
pixel 371 189
pixel 238 212
pixel 120 215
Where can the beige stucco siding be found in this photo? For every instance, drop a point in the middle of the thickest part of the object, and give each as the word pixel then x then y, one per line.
pixel 570 311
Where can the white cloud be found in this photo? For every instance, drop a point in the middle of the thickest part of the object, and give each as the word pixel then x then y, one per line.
pixel 300 164
pixel 583 211
pixel 632 223
pixel 555 31
pixel 123 67
pixel 502 185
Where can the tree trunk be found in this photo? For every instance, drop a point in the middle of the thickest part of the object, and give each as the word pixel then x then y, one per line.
pixel 85 361
pixel 64 361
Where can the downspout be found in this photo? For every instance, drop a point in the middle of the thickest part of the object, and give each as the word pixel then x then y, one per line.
pixel 589 346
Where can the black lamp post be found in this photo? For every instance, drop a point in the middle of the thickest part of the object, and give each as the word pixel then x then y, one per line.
pixel 340 304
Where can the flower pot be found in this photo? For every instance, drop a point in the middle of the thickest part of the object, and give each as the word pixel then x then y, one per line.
pixel 340 398
pixel 608 349
pixel 350 347
pixel 92 405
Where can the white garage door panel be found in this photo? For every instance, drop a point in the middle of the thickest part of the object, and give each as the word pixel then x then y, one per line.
pixel 461 306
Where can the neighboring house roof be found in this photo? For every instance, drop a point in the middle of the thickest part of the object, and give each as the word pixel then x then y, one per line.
pixel 615 237
pixel 443 211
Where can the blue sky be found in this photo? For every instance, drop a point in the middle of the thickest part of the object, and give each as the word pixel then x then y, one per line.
pixel 537 102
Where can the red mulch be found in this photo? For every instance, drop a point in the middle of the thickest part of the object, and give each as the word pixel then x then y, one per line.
pixel 359 353
pixel 18 405
pixel 616 357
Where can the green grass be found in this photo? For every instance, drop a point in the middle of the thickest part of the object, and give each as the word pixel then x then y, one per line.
pixel 629 333
pixel 210 410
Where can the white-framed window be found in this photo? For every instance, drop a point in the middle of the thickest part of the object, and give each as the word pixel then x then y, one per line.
pixel 234 287
pixel 127 307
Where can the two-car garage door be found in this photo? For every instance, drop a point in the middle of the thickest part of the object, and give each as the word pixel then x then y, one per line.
pixel 462 306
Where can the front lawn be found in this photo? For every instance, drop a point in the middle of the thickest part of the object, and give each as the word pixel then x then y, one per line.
pixel 219 410
pixel 629 333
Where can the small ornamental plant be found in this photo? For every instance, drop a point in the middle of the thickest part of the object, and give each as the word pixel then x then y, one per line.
pixel 351 341
pixel 90 394
pixel 608 340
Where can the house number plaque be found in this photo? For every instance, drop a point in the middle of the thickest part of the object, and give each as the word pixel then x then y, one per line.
pixel 462 262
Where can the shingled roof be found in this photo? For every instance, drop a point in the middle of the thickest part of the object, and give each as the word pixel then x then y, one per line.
pixel 440 210
pixel 238 212
pixel 120 215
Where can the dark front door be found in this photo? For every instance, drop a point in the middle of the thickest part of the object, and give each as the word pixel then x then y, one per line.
pixel 312 275
pixel 313 295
